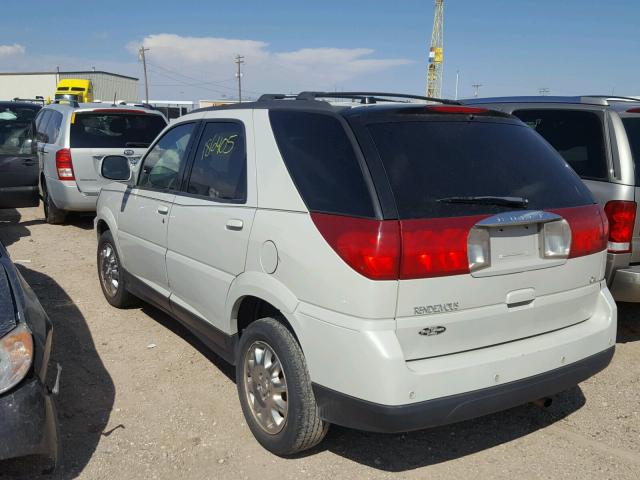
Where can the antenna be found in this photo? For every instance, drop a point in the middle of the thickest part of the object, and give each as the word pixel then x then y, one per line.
pixel 115 94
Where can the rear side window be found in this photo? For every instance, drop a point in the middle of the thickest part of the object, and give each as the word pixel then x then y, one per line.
pixel 53 127
pixel 322 162
pixel 220 164
pixel 114 130
pixel 41 125
pixel 632 126
pixel 431 161
pixel 577 135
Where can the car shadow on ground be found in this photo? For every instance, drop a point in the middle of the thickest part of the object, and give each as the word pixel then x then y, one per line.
pixel 86 393
pixel 628 322
pixel 403 452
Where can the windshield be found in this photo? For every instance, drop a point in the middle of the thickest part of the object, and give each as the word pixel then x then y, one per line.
pixel 67 96
pixel 429 163
pixel 115 130
pixel 632 126
pixel 16 128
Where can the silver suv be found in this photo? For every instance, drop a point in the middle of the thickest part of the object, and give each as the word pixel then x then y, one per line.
pixel 385 266
pixel 600 138
pixel 72 141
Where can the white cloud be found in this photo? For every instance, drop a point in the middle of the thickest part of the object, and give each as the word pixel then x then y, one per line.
pixel 172 58
pixel 12 50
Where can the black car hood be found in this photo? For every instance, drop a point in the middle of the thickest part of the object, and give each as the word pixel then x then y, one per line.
pixel 8 315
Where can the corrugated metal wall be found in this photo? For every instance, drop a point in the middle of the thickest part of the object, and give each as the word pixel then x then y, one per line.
pixel 105 86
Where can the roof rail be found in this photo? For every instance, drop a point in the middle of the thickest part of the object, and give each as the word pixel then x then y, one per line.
pixel 614 98
pixel 371 97
pixel 363 97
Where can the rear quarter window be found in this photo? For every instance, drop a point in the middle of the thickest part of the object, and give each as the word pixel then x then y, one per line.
pixel 576 134
pixel 429 161
pixel 322 162
pixel 114 130
pixel 632 127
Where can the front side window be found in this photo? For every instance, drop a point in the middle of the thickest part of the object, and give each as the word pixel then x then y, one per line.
pixel 16 129
pixel 577 134
pixel 220 164
pixel 161 166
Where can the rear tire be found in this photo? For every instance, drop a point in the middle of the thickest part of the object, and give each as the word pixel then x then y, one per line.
pixel 111 274
pixel 52 214
pixel 275 389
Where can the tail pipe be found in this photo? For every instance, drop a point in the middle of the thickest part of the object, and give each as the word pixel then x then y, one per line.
pixel 544 402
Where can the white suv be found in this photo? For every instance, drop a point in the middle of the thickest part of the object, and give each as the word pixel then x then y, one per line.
pixel 381 265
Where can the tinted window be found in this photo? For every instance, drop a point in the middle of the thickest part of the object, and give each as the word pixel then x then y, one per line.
pixel 52 128
pixel 577 135
pixel 16 128
pixel 220 166
pixel 115 130
pixel 322 162
pixel 432 160
pixel 161 166
pixel 632 126
pixel 41 125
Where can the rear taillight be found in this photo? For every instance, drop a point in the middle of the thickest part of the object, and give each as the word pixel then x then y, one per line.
pixel 437 247
pixel 633 110
pixel 589 229
pixel 622 217
pixel 64 165
pixel 370 247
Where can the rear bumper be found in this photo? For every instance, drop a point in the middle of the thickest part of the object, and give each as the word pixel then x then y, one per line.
pixel 28 422
pixel 352 412
pixel 66 196
pixel 625 284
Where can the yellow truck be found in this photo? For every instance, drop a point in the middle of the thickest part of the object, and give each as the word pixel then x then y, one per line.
pixel 74 89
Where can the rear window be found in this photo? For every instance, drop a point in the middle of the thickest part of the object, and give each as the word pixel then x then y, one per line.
pixel 114 130
pixel 322 162
pixel 578 135
pixel 433 160
pixel 632 126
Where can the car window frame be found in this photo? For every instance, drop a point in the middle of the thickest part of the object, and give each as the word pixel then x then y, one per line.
pixel 184 185
pixel 604 127
pixel 181 171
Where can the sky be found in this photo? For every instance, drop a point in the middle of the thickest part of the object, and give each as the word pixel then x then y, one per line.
pixel 510 47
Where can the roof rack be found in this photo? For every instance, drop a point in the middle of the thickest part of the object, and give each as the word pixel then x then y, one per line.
pixel 614 98
pixel 363 97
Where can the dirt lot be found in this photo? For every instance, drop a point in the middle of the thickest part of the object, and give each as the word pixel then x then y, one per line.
pixel 142 398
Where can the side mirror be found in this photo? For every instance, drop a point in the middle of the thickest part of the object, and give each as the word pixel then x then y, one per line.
pixel 115 167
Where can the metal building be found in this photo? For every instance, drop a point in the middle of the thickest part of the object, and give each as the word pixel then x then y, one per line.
pixel 106 85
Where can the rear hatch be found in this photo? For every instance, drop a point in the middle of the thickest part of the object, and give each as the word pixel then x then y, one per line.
pixel 97 133
pixel 500 240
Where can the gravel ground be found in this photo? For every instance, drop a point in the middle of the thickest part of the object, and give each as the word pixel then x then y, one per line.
pixel 142 398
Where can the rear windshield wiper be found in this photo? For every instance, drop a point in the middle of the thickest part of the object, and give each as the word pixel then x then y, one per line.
pixel 519 202
pixel 137 145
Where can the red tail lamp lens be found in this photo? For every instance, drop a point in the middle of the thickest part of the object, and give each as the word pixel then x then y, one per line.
pixel 589 229
pixel 622 217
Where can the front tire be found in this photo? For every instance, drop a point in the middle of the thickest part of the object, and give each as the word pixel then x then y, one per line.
pixel 111 274
pixel 52 214
pixel 275 389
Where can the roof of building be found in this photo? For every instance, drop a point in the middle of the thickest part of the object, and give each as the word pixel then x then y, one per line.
pixel 71 72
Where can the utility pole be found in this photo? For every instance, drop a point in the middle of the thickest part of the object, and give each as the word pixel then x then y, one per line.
pixel 544 91
pixel 457 81
pixel 239 61
pixel 476 89
pixel 144 66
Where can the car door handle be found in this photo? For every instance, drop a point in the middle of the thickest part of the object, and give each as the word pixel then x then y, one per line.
pixel 163 209
pixel 235 224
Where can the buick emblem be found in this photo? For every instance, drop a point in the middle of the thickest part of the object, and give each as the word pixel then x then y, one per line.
pixel 431 331
pixel 129 152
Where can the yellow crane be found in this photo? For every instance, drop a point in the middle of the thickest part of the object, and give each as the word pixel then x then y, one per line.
pixel 436 53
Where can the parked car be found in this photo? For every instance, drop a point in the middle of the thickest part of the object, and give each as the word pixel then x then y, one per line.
pixel 72 141
pixel 28 421
pixel 600 138
pixel 381 266
pixel 18 158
